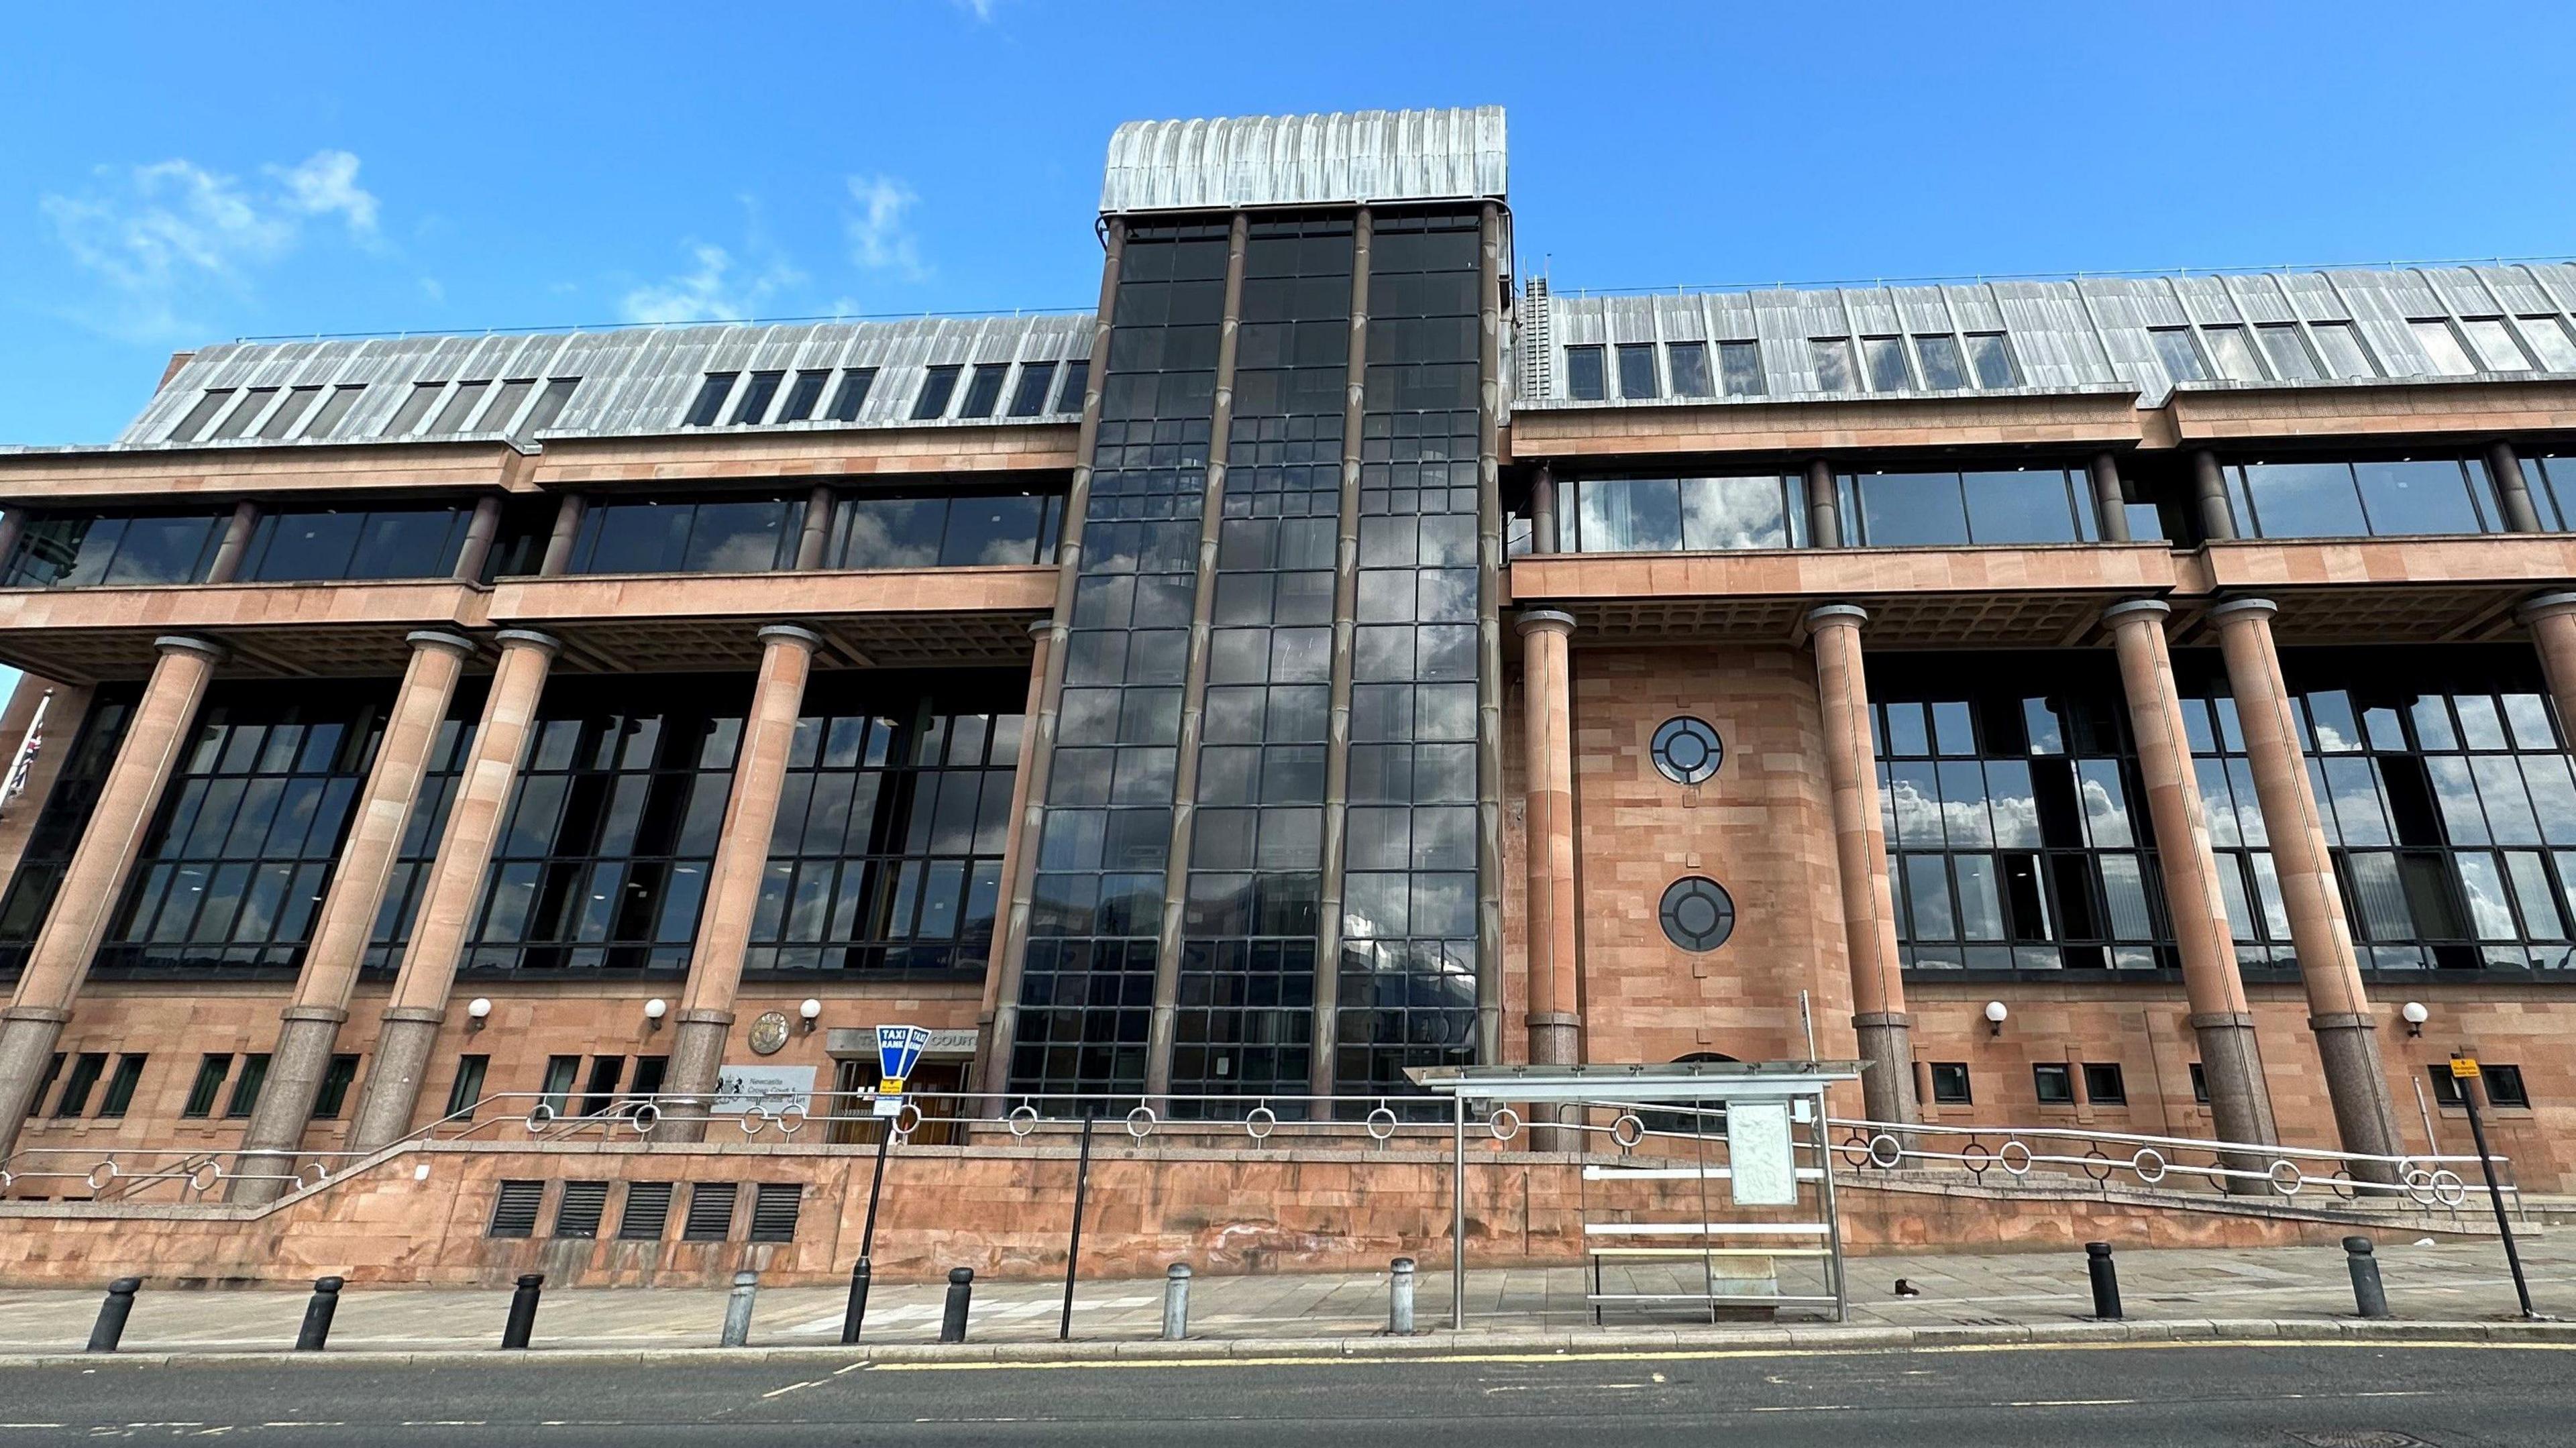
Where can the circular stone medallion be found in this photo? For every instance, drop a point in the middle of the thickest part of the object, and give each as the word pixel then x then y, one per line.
pixel 769 1032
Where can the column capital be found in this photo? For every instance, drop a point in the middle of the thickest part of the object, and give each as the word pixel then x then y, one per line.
pixel 1847 614
pixel 528 638
pixel 2546 605
pixel 2244 608
pixel 439 638
pixel 189 644
pixel 1543 620
pixel 2137 610
pixel 1041 627
pixel 788 633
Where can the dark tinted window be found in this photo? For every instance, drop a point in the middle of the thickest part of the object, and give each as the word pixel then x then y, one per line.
pixel 86 1069
pixel 336 1081
pixel 2504 1085
pixel 754 407
pixel 1030 397
pixel 2342 499
pixel 853 394
pixel 330 543
pixel 120 1087
pixel 711 397
pixel 1950 1083
pixel 1584 378
pixel 211 1072
pixel 984 390
pixel 1689 362
pixel 1077 375
pixel 750 536
pixel 936 388
pixel 1637 371
pixel 945 532
pixel 2103 1085
pixel 2054 1083
pixel 802 397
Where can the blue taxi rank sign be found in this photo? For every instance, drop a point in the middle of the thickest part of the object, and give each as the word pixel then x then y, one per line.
pixel 899 1049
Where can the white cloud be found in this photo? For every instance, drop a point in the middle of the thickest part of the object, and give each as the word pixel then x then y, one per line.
pixel 166 238
pixel 327 182
pixel 879 240
pixel 714 290
pixel 980 9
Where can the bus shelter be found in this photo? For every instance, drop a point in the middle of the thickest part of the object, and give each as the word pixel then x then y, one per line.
pixel 1771 1197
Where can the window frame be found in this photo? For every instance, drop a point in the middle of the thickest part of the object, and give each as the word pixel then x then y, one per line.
pixel 1952 1083
pixel 2041 1072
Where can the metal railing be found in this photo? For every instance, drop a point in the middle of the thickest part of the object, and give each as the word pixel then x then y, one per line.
pixel 1602 1129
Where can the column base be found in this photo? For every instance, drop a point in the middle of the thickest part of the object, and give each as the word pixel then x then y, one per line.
pixel 2365 1113
pixel 697 1058
pixel 403 1047
pixel 27 1038
pixel 2240 1106
pixel 1555 1039
pixel 295 1071
pixel 1887 1066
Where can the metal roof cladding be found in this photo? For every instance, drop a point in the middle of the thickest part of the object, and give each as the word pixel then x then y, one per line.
pixel 634 381
pixel 1345 158
pixel 2090 334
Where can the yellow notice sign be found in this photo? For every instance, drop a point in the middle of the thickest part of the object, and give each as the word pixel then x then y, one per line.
pixel 2464 1068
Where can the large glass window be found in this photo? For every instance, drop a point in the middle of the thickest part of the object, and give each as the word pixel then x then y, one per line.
pixel 887 853
pixel 311 543
pixel 1087 987
pixel 1644 515
pixel 1408 966
pixel 73 552
pixel 2443 786
pixel 2298 499
pixel 242 847
pixel 1585 379
pixel 602 863
pixel 945 532
pixel 2016 829
pixel 752 535
pixel 2003 505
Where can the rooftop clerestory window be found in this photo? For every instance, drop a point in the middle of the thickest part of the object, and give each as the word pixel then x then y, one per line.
pixel 1585 379
pixel 754 407
pixel 1688 362
pixel 711 399
pixel 936 389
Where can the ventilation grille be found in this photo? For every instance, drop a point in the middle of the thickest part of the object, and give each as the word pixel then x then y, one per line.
pixel 648 1211
pixel 583 1204
pixel 514 1211
pixel 710 1211
pixel 774 1206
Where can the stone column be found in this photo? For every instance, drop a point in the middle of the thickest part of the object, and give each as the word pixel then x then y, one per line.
pixel 1860 856
pixel 310 1023
pixel 1548 741
pixel 817 533
pixel 2209 496
pixel 454 890
pixel 568 516
pixel 2338 1008
pixel 480 530
pixel 733 879
pixel 236 542
pixel 1543 529
pixel 1001 1014
pixel 2513 489
pixel 58 962
pixel 1824 506
pixel 2110 500
pixel 2239 1103
pixel 2551 617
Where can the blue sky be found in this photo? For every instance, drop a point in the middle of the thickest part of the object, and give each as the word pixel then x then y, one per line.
pixel 176 176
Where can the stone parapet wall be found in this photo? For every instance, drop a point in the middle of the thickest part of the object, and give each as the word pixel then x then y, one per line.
pixel 421 1217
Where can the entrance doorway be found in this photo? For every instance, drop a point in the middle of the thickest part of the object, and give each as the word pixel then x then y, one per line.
pixel 937 1087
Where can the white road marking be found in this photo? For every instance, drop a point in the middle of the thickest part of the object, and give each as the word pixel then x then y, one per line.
pixel 792 1387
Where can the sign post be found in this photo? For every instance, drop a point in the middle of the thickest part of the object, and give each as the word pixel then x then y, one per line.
pixel 899 1049
pixel 2465 1073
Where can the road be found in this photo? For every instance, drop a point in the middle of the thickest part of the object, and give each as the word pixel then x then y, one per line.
pixel 2200 1396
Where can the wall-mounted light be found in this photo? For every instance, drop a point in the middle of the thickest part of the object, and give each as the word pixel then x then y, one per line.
pixel 2416 1016
pixel 654 1010
pixel 477 1011
pixel 1996 1014
pixel 810 1012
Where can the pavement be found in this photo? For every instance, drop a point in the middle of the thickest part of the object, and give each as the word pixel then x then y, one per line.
pixel 2217 1394
pixel 2459 1289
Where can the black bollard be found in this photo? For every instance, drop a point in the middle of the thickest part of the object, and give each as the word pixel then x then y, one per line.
pixel 523 1312
pixel 961 1291
pixel 317 1315
pixel 2106 1281
pixel 2369 1298
pixel 113 1312
pixel 860 1271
